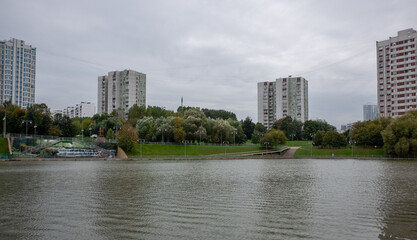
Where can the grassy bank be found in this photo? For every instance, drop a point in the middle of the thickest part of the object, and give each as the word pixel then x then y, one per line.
pixel 340 152
pixel 4 149
pixel 189 150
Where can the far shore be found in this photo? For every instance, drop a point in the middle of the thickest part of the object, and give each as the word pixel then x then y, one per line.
pixel 199 158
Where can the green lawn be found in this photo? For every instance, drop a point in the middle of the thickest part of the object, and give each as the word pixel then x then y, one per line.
pixel 342 152
pixel 190 150
pixel 298 143
pixel 4 149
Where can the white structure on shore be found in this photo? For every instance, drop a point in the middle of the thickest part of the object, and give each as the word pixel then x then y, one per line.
pixel 282 98
pixel 120 90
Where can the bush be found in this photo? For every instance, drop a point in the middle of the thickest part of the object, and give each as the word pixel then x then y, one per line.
pixel 127 137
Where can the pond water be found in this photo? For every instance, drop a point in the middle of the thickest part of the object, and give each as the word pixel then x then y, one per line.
pixel 210 199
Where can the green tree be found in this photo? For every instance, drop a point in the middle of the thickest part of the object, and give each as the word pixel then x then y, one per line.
pixel 127 137
pixel 318 138
pixel 258 132
pixel 54 131
pixel 110 134
pixel 248 127
pixel 311 127
pixel 291 127
pixel 368 133
pixel 400 136
pixel 135 113
pixel 65 125
pixel 222 114
pixel 273 138
pixel 334 139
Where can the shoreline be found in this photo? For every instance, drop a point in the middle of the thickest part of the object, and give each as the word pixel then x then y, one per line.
pixel 197 158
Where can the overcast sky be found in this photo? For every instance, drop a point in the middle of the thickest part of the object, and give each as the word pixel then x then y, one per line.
pixel 210 52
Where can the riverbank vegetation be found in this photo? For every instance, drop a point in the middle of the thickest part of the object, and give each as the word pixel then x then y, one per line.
pixel 192 125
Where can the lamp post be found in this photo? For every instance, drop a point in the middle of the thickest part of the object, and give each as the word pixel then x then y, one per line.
pixel 185 147
pixel 311 150
pixel 27 121
pixel 35 129
pixel 162 130
pixel 90 129
pixel 266 145
pixel 141 142
pixel 225 144
pixel 234 137
pixel 200 131
pixel 4 125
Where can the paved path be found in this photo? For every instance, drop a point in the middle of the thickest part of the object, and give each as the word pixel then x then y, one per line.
pixel 290 152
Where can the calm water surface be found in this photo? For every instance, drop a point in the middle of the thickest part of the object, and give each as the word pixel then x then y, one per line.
pixel 225 199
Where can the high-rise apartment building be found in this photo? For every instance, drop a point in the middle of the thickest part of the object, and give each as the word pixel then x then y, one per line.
pixel 396 73
pixel 17 72
pixel 370 111
pixel 282 98
pixel 120 90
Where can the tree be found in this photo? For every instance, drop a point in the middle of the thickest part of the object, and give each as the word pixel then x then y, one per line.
pixel 222 114
pixel 110 134
pixel 65 125
pixel 368 133
pixel 318 138
pixel 311 127
pixel 258 132
pixel 334 139
pixel 54 131
pixel 135 113
pixel 127 137
pixel 248 127
pixel 400 136
pixel 145 127
pixel 291 127
pixel 273 138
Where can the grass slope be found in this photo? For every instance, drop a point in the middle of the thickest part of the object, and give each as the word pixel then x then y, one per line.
pixel 342 152
pixel 190 150
pixel 4 149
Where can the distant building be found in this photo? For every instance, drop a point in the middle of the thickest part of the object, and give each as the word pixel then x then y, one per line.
pixel 17 72
pixel 83 109
pixel 282 98
pixel 120 90
pixel 69 111
pixel 370 111
pixel 396 74
pixel 346 127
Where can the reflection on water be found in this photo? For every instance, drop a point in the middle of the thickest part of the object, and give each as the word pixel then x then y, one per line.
pixel 225 199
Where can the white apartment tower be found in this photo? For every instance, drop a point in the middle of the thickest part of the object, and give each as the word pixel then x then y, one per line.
pixel 17 72
pixel 396 73
pixel 282 98
pixel 267 103
pixel 120 90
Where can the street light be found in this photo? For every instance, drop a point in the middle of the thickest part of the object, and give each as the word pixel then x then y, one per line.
pixel 185 146
pixel 27 121
pixel 163 130
pixel 35 129
pixel 90 129
pixel 4 125
pixel 234 137
pixel 141 142
pixel 266 145
pixel 225 144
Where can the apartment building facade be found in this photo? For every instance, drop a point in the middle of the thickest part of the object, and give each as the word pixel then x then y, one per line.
pixel 17 72
pixel 282 98
pixel 120 90
pixel 396 74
